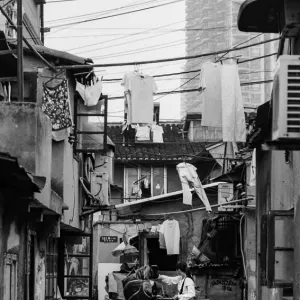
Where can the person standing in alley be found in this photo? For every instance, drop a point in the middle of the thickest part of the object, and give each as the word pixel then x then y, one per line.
pixel 184 281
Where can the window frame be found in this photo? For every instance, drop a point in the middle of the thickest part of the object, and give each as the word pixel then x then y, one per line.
pixel 126 191
pixel 51 251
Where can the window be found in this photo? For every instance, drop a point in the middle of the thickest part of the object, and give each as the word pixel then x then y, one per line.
pixel 144 182
pixel 77 255
pixel 10 276
pixel 51 268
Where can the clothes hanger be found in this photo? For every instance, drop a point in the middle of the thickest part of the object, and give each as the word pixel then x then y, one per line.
pixel 63 72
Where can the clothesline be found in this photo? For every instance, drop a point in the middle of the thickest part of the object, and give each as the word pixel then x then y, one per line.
pixel 194 90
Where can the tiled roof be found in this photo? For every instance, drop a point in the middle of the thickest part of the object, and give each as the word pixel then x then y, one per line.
pixel 175 146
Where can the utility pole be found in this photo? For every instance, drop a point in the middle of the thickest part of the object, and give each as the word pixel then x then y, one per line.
pixel 20 51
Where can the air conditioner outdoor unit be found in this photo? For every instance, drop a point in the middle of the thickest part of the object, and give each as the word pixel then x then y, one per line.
pixel 225 194
pixel 286 100
pixel 99 187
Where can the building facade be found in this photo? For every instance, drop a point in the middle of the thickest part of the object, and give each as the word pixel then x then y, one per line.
pixel 212 26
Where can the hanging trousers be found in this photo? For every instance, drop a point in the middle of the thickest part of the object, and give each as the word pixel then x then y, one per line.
pixel 188 175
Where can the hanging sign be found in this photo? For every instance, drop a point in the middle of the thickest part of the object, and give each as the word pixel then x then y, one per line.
pixel 108 239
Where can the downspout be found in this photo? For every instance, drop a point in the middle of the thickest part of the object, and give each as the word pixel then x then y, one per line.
pixel 42 23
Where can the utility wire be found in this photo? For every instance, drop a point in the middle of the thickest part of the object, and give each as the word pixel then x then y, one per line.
pixel 103 12
pixel 166 59
pixel 115 15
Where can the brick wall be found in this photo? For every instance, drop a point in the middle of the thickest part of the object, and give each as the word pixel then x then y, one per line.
pixel 212 26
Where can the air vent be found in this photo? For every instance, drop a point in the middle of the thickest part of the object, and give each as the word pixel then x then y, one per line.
pixel 286 100
pixel 293 103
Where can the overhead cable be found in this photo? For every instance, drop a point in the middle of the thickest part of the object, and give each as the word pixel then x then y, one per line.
pixel 166 59
pixel 115 15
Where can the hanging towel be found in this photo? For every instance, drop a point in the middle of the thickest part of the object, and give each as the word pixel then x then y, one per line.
pixel 233 116
pixel 139 90
pixel 56 106
pixel 211 94
pixel 90 94
pixel 171 233
pixel 142 133
pixel 188 175
pixel 252 180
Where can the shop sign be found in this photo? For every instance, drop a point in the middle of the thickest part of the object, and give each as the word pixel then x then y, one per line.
pixel 108 239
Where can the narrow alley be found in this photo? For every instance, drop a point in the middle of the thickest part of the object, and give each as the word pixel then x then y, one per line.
pixel 149 149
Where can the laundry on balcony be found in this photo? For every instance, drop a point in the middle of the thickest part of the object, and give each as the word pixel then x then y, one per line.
pixel 90 94
pixel 56 105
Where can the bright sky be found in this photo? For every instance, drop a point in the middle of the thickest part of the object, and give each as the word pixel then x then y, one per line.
pixel 145 35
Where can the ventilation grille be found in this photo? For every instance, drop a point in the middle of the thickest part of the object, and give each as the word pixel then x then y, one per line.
pixel 293 105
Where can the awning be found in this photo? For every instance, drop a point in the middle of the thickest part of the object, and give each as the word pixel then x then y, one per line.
pixel 259 16
pixel 127 208
pixel 14 176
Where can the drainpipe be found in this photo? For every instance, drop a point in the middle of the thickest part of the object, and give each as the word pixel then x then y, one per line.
pixel 42 23
pixel 20 51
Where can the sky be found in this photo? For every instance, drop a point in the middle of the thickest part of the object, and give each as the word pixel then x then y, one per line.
pixel 151 34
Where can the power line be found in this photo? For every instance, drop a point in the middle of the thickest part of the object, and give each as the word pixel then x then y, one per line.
pixel 103 12
pixel 166 59
pixel 115 15
pixel 145 38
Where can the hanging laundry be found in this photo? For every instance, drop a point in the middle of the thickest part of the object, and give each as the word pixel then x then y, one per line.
pixel 146 188
pixel 171 233
pixel 56 106
pixel 5 91
pixel 233 116
pixel 128 132
pixel 211 94
pixel 142 133
pixel 139 91
pixel 136 191
pixel 188 175
pixel 90 93
pixel 252 180
pixel 157 134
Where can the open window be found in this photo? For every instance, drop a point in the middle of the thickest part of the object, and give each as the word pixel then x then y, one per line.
pixel 144 182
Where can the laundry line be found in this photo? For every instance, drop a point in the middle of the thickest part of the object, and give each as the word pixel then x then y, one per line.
pixel 193 90
pixel 133 63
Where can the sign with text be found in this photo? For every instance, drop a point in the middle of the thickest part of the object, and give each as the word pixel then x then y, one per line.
pixel 108 239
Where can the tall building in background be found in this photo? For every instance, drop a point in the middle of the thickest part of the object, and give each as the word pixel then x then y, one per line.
pixel 212 26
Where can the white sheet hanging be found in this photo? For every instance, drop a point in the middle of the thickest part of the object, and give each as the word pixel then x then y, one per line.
pixel 233 117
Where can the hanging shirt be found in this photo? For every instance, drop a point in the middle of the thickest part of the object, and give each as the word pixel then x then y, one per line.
pixel 157 132
pixel 142 133
pixel 171 232
pixel 139 91
pixel 233 116
pixel 56 106
pixel 210 95
pixel 90 93
pixel 185 286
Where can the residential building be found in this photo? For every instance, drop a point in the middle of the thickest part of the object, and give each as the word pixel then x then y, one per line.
pixel 45 231
pixel 212 26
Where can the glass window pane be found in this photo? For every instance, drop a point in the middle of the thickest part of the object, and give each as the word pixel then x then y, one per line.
pixel 145 183
pixel 77 266
pixel 131 175
pixel 158 181
pixel 77 287
pixel 77 245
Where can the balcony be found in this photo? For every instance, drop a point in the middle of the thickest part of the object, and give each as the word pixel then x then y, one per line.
pixel 25 133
